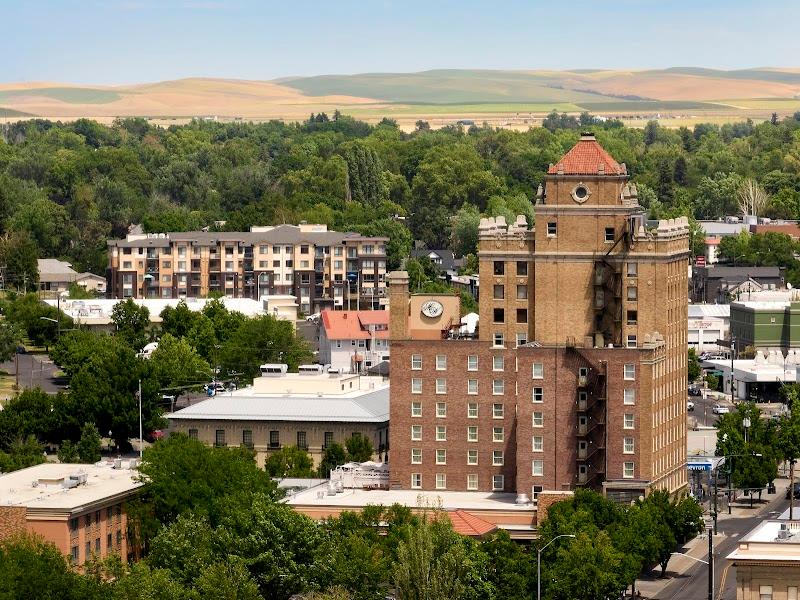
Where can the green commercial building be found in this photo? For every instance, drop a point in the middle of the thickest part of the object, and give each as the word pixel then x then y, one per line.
pixel 765 324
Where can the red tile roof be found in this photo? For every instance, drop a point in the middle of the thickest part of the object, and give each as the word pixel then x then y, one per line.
pixel 585 158
pixel 790 229
pixel 466 523
pixel 354 324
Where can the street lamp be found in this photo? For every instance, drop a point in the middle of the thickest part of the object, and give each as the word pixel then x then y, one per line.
pixel 539 563
pixel 709 562
pixel 730 480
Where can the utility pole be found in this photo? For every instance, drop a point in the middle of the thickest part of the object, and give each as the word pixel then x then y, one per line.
pixel 733 347
pixel 791 488
pixel 710 564
pixel 141 438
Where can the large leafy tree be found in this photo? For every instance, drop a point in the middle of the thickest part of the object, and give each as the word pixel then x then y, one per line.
pixel 131 322
pixel 177 366
pixel 290 461
pixel 18 256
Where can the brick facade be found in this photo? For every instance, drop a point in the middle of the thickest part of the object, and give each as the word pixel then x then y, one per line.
pixel 12 521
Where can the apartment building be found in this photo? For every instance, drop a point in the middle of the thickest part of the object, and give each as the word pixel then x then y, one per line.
pixel 578 374
pixel 323 269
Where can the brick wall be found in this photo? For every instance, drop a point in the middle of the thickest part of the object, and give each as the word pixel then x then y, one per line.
pixel 12 521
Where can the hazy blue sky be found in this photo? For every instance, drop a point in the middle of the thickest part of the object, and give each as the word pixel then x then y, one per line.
pixel 125 41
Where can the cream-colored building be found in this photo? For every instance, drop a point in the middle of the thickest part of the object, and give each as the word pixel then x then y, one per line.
pixel 311 410
pixel 767 562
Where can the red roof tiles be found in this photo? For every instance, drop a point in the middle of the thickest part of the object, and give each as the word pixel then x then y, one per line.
pixel 354 324
pixel 587 157
pixel 466 523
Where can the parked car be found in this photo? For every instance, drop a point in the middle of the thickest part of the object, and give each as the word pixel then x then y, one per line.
pixel 718 409
pixel 313 318
pixel 695 390
pixel 689 406
pixel 796 491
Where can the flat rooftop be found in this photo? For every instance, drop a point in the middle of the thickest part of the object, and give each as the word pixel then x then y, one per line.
pixel 40 486
pixel 772 540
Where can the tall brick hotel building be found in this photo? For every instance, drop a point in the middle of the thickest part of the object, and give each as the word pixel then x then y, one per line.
pixel 577 375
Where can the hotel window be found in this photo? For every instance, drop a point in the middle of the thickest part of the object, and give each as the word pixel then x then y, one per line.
pixel 193 434
pixel 627 470
pixel 522 292
pixel 538 468
pixel 632 293
pixel 632 317
pixel 498 364
pixel 472 410
pixel 472 386
pixel 497 458
pixel 629 372
pixel 441 409
pixel 522 339
pixel 416 409
pixel 632 269
pixel 538 370
pixel 88 550
pixel 538 443
pixel 498 387
pixel 247 438
pixel 416 481
pixel 627 421
pixel 627 446
pixel 629 396
pixel 416 456
pixel 791 593
pixel 552 229
pixel 441 433
pixel 537 489
pixel 219 437
pixel 498 482
pixel 472 433
pixel 497 411
pixel 108 542
pixel 416 362
pixel 498 339
pixel 765 592
pixel 522 268
pixel 441 386
pixel 499 292
pixel 441 362
pixel 472 457
pixel 73 555
pixel 441 456
pixel 301 440
pixel 274 439
pixel 499 315
pixel 538 394
pixel 538 419
pixel 631 341
pixel 472 482
pixel 416 433
pixel 609 234
pixel 498 434
pixel 472 362
pixel 522 315
pixel 416 385
pixel 441 481
pixel 499 267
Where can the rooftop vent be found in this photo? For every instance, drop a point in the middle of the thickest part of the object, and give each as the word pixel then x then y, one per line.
pixel 274 369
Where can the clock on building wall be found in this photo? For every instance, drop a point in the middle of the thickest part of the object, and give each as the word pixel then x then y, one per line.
pixel 432 308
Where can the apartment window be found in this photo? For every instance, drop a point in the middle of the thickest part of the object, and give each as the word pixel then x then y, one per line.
pixel 629 372
pixel 497 458
pixel 472 386
pixel 219 437
pixel 416 433
pixel 304 249
pixel 499 267
pixel 498 434
pixel 73 555
pixel 73 524
pixel 552 229
pixel 192 434
pixel 538 394
pixel 498 387
pixel 337 264
pixel 416 456
pixel 108 541
pixel 522 268
pixel 629 396
pixel 522 315
pixel 631 341
pixel 499 315
pixel 538 419
pixel 416 481
pixel 538 468
pixel 441 433
pixel 632 293
pixel 538 370
pixel 327 438
pixel 441 409
pixel 538 443
pixel 88 550
pixel 522 339
pixel 627 445
pixel 441 481
pixel 498 339
pixel 127 264
pixel 416 385
pixel 609 234
pixel 416 409
pixel 497 411
pixel 167 264
pixel 228 265
pixel 416 362
pixel 181 251
pixel 632 317
pixel 472 482
pixel 498 364
pixel 499 292
pixel 472 410
pixel 441 385
pixel 247 438
pixel 498 482
pixel 522 292
pixel 632 269
pixel 301 440
pixel 627 470
pixel 628 421
pixel 441 362
pixel 472 457
pixel 337 251
pixel 472 362
pixel 441 456
pixel 472 433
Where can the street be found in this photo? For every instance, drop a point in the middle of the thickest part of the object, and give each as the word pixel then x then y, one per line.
pixel 702 408
pixel 35 370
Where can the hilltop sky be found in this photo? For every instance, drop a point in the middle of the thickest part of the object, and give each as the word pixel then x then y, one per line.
pixel 129 41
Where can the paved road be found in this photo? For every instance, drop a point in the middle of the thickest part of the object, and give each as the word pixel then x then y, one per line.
pixel 702 409
pixel 35 370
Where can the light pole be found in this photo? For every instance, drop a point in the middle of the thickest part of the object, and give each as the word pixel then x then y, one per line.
pixel 709 562
pixel 539 563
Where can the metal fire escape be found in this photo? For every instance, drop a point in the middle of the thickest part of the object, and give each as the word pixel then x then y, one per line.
pixel 591 401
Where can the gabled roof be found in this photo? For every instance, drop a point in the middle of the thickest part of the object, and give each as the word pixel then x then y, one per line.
pixel 587 157
pixel 354 324
pixel 468 524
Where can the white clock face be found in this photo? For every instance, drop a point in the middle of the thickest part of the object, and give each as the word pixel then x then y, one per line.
pixel 432 308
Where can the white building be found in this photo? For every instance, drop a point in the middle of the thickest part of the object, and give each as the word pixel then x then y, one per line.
pixel 759 378
pixel 767 562
pixel 354 340
pixel 707 324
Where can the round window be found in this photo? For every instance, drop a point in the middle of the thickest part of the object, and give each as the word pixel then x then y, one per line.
pixel 581 192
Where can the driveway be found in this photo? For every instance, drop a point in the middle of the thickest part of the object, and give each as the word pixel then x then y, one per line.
pixel 35 370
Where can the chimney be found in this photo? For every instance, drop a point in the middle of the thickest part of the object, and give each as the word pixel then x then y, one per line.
pixel 397 282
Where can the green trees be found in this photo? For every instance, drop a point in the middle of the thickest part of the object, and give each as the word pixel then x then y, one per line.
pixel 10 337
pixel 333 456
pixel 176 365
pixel 40 321
pixel 88 447
pixel 18 253
pixel 365 174
pixel 131 322
pixel 289 461
pixel 757 451
pixel 693 365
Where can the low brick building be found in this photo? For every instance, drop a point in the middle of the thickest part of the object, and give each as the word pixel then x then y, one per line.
pixel 767 562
